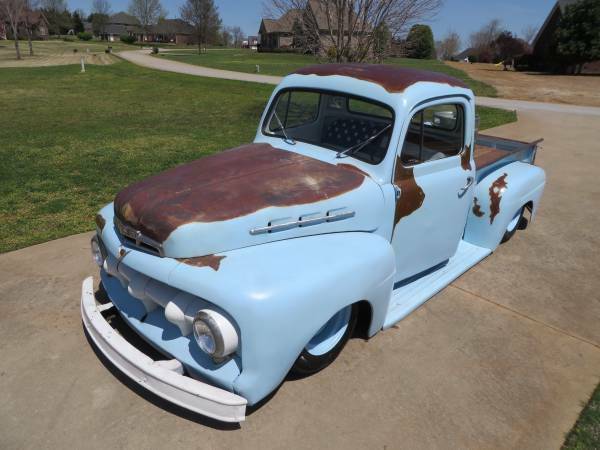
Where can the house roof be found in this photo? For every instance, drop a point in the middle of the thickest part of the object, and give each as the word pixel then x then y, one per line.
pixel 392 78
pixel 172 26
pixel 284 24
pixel 559 6
pixel 123 19
pixel 319 10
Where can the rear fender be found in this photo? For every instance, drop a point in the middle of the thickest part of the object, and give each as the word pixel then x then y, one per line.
pixel 281 293
pixel 498 197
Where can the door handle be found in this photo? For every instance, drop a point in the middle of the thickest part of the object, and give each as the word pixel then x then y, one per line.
pixel 462 191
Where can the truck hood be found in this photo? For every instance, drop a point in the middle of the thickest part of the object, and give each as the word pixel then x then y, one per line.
pixel 247 196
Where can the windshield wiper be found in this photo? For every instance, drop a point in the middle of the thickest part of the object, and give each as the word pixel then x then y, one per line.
pixel 355 148
pixel 286 139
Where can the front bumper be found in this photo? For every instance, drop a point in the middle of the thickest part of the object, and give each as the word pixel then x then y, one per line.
pixel 163 378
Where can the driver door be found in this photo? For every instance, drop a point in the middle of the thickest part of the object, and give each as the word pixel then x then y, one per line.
pixel 433 179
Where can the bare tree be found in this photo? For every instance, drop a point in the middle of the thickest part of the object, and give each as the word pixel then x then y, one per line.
pixel 449 46
pixel 226 37
pixel 30 6
pixel 13 10
pixel 101 7
pixel 345 27
pixel 529 33
pixel 54 5
pixel 237 35
pixel 147 12
pixel 482 41
pixel 203 15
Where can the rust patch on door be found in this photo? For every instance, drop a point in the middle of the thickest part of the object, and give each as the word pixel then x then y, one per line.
pixel 465 159
pixel 391 78
pixel 496 190
pixel 228 185
pixel 477 208
pixel 411 197
pixel 100 221
pixel 212 261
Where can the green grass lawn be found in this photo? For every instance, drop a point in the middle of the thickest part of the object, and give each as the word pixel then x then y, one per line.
pixel 71 141
pixel 281 64
pixel 585 435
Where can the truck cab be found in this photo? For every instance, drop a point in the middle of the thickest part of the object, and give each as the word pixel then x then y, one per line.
pixel 365 192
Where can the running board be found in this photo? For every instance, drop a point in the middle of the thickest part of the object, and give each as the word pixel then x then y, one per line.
pixel 408 297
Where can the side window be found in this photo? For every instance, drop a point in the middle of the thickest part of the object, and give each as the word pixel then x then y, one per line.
pixel 295 109
pixel 434 133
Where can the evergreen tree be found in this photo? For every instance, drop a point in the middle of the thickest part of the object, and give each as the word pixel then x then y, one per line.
pixel 419 42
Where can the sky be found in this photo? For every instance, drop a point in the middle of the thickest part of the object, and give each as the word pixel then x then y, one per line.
pixel 462 16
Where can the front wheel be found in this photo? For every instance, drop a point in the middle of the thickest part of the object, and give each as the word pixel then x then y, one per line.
pixel 327 343
pixel 513 225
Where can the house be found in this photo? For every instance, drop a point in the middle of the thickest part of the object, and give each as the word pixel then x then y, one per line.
pixel 175 31
pixel 35 20
pixel 250 42
pixel 278 34
pixel 544 54
pixel 121 24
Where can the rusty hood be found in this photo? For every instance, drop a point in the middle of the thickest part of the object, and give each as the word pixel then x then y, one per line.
pixel 218 203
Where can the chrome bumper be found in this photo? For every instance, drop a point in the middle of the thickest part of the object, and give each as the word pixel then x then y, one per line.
pixel 163 378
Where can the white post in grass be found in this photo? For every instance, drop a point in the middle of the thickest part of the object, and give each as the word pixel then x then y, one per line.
pixel 82 65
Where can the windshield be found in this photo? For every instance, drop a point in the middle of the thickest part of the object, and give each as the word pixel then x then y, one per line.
pixel 335 121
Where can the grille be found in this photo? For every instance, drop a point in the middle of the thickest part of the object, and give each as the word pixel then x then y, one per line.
pixel 136 239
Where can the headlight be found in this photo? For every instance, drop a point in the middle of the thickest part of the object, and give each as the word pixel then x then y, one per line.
pixel 97 255
pixel 215 334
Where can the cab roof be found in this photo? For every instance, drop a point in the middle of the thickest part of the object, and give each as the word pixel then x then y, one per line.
pixel 393 79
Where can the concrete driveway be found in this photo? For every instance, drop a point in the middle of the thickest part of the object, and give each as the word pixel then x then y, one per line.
pixel 503 358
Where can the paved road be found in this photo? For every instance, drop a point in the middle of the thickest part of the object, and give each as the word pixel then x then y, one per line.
pixel 143 58
pixel 503 358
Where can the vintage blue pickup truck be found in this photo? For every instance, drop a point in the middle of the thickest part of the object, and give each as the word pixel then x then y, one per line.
pixel 365 192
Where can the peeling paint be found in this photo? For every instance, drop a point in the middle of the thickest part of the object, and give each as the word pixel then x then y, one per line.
pixel 496 190
pixel 412 196
pixel 212 261
pixel 391 78
pixel 228 185
pixel 477 208
pixel 356 169
pixel 100 221
pixel 465 159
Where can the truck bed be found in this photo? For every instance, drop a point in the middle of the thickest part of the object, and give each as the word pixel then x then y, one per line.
pixel 492 152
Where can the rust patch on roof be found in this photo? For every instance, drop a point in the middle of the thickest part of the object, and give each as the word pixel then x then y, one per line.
pixel 212 261
pixel 477 208
pixel 412 196
pixel 391 78
pixel 227 185
pixel 100 221
pixel 496 190
pixel 465 159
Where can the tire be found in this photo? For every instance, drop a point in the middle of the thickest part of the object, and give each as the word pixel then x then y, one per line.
pixel 327 343
pixel 513 226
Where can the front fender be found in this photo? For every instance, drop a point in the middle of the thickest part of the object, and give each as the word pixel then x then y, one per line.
pixel 498 197
pixel 281 293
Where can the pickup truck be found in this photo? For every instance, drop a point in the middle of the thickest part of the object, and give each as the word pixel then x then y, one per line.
pixel 365 192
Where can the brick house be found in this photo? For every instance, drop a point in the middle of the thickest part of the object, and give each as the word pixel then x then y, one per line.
pixel 278 34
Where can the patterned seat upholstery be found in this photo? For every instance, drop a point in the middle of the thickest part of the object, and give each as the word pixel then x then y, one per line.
pixel 346 132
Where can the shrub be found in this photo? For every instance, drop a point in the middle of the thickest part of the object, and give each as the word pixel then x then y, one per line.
pixel 419 42
pixel 84 36
pixel 155 50
pixel 127 39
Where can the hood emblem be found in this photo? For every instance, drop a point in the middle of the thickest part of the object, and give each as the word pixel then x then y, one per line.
pixel 330 216
pixel 135 237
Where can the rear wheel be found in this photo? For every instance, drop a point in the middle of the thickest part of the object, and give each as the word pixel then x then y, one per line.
pixel 513 225
pixel 328 342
